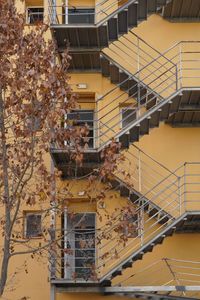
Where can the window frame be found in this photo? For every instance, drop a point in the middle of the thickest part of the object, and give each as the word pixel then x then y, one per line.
pixel 27 14
pixel 28 213
pixel 92 128
pixel 69 241
pixel 121 115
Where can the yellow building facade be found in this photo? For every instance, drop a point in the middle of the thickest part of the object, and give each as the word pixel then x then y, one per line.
pixel 135 66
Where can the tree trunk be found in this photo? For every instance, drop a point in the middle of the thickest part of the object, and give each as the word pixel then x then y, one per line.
pixel 6 200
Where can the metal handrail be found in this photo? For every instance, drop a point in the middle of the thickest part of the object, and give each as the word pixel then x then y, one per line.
pixel 98 10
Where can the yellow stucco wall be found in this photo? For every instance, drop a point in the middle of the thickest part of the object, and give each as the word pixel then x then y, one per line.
pixel 170 146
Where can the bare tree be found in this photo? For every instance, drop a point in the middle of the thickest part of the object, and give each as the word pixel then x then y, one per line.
pixel 34 97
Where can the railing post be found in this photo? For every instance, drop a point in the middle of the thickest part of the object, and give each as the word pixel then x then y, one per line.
pixel 96 130
pixel 180 64
pixel 139 172
pixel 65 242
pixel 176 77
pixel 184 185
pixel 138 55
pixel 179 196
pixel 53 12
pixel 52 252
pixel 95 12
pixel 138 70
pixel 142 224
pixel 52 229
pixel 97 123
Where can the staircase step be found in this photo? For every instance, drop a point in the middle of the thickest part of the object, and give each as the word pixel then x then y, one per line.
pixel 105 67
pixel 138 256
pixel 106 282
pixel 127 265
pixel 132 88
pixel 116 273
pixel 132 15
pixel 163 219
pixel 165 112
pixel 124 140
pixel 113 29
pixel 123 79
pixel 142 10
pixel 124 191
pixel 115 184
pixel 175 104
pixel 123 21
pixel 170 232
pixel 148 248
pixel 160 240
pixel 134 134
pixel 114 74
pixel 155 119
pixel 151 101
pixel 103 36
pixel 142 97
pixel 133 197
pixel 144 126
pixel 146 206
pixel 153 211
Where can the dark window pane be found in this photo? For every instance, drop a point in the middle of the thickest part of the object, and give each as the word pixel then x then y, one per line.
pixel 33 225
pixel 35 14
pixel 83 244
pixel 128 116
pixel 79 15
pixel 83 118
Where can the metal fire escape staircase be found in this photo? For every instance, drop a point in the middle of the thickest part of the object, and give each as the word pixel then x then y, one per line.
pixel 165 88
pixel 179 197
pixel 109 20
pixel 159 90
pixel 172 205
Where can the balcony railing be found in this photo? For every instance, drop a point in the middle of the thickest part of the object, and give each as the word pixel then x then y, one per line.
pixel 100 13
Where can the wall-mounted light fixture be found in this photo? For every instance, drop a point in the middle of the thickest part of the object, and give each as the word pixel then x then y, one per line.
pixel 81 86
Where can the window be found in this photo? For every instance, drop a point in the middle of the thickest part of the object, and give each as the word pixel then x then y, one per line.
pixel 35 15
pixel 79 15
pixel 128 115
pixel 79 246
pixel 82 118
pixel 33 225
